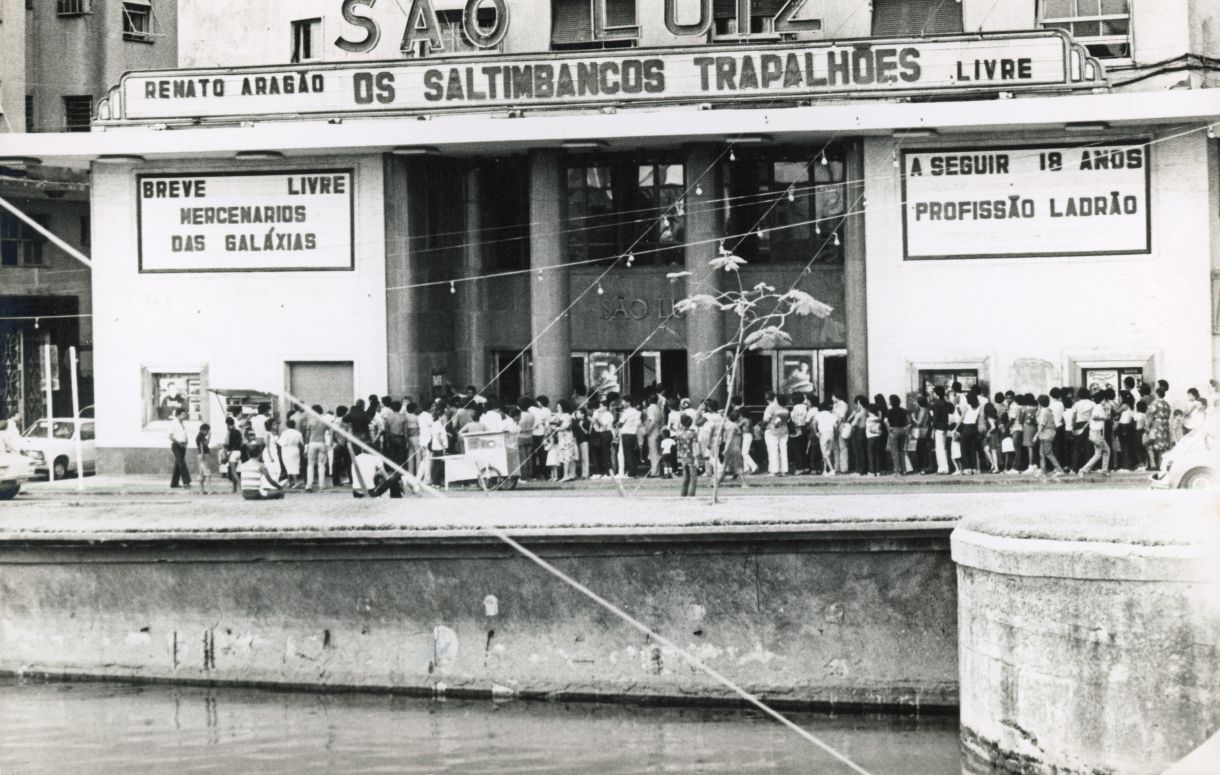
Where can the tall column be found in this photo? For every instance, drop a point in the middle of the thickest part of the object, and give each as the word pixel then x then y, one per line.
pixel 855 291
pixel 471 319
pixel 549 292
pixel 704 228
pixel 404 218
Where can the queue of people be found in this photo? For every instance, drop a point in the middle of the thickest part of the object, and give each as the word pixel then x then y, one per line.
pixel 952 431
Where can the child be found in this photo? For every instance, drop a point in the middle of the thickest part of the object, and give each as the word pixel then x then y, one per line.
pixel 1177 426
pixel 232 450
pixel 689 454
pixel 207 463
pixel 257 484
pixel 667 451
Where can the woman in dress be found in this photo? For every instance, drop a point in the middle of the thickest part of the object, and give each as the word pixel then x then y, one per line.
pixel 1157 429
pixel 564 444
pixel 734 465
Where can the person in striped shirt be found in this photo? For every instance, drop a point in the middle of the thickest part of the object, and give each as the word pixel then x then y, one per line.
pixel 257 483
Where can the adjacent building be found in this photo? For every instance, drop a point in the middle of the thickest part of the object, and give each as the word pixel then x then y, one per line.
pixel 344 197
pixel 59 58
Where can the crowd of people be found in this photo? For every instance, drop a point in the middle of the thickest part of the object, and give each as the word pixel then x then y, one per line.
pixel 951 431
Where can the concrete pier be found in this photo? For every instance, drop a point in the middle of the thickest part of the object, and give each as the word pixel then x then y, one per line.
pixel 1092 644
pixel 797 604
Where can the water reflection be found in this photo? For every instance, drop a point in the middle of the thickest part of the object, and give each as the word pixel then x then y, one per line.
pixel 48 727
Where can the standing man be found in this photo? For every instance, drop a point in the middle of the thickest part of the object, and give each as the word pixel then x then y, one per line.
pixel 395 429
pixel 941 410
pixel 177 445
pixel 654 421
pixel 315 450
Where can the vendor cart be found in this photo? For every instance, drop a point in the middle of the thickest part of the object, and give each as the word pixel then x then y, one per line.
pixel 489 457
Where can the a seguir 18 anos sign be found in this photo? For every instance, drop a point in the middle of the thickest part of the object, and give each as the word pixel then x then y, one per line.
pixel 1029 201
pixel 245 221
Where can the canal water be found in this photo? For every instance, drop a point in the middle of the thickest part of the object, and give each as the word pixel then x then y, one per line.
pixel 83 727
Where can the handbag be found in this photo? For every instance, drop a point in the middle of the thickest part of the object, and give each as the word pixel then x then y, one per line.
pixel 1007 446
pixel 845 430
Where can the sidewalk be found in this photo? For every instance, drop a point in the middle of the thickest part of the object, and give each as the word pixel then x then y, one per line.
pixel 141 484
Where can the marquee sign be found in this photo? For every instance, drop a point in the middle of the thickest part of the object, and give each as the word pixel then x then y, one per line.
pixel 1036 59
pixel 1031 201
pixel 245 221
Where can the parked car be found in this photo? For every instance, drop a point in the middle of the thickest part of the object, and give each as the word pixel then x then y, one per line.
pixel 59 451
pixel 14 469
pixel 1193 463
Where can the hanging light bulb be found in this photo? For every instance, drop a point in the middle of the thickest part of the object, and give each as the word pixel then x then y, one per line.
pixel 721 248
pixel 630 259
pixel 35 324
pixel 759 233
pixel 600 290
pixel 452 287
pixel 539 275
pixel 895 160
pixel 837 239
pixel 823 159
pixel 732 153
pixel 791 196
pixel 1211 131
pixel 699 190
pixel 817 229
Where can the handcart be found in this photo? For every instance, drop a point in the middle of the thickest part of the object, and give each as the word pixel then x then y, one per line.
pixel 490 457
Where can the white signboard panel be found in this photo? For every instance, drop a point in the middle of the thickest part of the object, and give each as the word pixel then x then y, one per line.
pixel 1026 201
pixel 691 74
pixel 246 221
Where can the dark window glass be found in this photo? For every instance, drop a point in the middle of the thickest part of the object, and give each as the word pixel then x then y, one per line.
pixel 786 206
pixel 78 112
pixel 572 23
pixel 20 244
pixel 916 18
pixel 616 206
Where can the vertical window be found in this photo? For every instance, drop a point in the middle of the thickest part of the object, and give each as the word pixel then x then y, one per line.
pixel 85 227
pixel 916 18
pixel 306 34
pixel 616 206
pixel 572 23
pixel 78 112
pixel 20 245
pixel 137 21
pixel 786 207
pixel 1103 26
pixel 29 113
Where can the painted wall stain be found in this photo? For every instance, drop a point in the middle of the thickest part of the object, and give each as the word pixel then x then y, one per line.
pixel 444 648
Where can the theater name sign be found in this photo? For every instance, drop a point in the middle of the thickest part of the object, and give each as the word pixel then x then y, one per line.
pixel 1038 59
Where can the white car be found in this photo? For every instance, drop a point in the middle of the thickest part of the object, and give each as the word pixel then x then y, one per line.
pixel 59 451
pixel 14 469
pixel 1193 463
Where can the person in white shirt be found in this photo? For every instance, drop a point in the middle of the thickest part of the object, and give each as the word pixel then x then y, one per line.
pixel 1097 437
pixel 493 419
pixel 629 428
pixel 291 442
pixel 541 410
pixel 1080 427
pixel 423 465
pixel 177 446
pixel 827 426
pixel 369 476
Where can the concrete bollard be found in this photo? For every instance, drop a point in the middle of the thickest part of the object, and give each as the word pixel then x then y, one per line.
pixel 1089 643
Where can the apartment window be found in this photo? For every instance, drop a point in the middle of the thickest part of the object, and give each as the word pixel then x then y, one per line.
pixel 572 23
pixel 73 7
pixel 306 35
pixel 453 38
pixel 78 112
pixel 915 18
pixel 1103 26
pixel 615 206
pixel 762 18
pixel 786 206
pixel 29 113
pixel 137 22
pixel 20 244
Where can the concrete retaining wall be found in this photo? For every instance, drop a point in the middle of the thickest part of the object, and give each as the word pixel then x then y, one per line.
pixel 821 614
pixel 1089 645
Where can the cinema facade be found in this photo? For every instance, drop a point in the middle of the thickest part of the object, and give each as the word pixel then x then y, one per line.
pixel 469 197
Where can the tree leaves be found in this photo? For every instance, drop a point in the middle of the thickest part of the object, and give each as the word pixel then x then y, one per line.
pixel 802 303
pixel 767 338
pixel 726 261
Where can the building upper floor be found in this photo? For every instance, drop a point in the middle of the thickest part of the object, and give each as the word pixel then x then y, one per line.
pixel 61 56
pixel 1144 44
